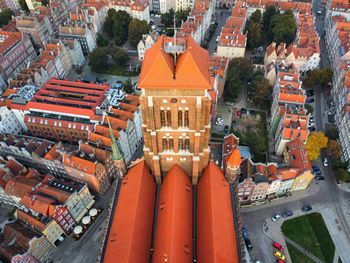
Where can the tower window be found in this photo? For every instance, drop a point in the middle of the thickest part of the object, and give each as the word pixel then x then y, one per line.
pixel 181 144
pixel 186 118
pixel 187 144
pixel 168 116
pixel 165 144
pixel 179 115
pixel 162 118
pixel 171 144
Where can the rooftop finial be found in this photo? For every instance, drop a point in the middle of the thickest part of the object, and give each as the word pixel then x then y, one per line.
pixel 174 76
pixel 116 154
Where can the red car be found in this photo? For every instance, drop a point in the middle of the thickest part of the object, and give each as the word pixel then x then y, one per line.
pixel 280 261
pixel 278 246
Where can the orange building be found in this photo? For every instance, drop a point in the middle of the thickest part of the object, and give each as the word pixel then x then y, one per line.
pixel 175 106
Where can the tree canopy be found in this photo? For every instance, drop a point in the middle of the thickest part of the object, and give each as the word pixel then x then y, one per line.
pixel 334 149
pixel 318 77
pixel 261 91
pixel 102 40
pixel 5 16
pixel 282 28
pixel 23 5
pixel 270 11
pixel 98 59
pixel 116 26
pixel 128 86
pixel 167 19
pixel 239 72
pixel 136 29
pixel 119 56
pixel 314 144
pixel 254 30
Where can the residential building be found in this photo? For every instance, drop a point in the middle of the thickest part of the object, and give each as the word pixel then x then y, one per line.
pixel 288 96
pixel 245 191
pixel 167 106
pixel 9 122
pixel 16 240
pixel 232 40
pixel 166 5
pixel 145 43
pixel 291 126
pixel 46 225
pixel 16 51
pixel 199 20
pixel 259 192
pixel 75 51
pixel 218 67
pixel 138 9
pixel 96 13
pixel 56 113
pixel 84 34
pixel 296 6
pixel 61 53
pixel 38 27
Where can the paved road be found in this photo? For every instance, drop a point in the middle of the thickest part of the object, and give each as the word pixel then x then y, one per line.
pixel 221 19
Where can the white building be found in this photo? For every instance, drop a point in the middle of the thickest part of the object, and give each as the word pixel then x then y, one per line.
pixel 75 51
pixel 9 122
pixel 136 9
pixel 166 5
pixel 145 43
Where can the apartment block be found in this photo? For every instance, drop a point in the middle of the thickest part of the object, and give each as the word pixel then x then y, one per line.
pixel 16 51
pixel 199 20
pixel 38 27
pixel 17 240
pixel 136 9
pixel 232 40
pixel 145 43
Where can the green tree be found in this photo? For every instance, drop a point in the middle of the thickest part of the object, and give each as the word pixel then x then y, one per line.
pixel 283 28
pixel 253 35
pixel 318 77
pixel 120 56
pixel 342 175
pixel 244 68
pixel 181 15
pixel 116 26
pixel 5 16
pixel 109 21
pixel 128 86
pixel 23 5
pixel 262 92
pixel 136 29
pixel 256 143
pixel 167 19
pixel 269 13
pixel 256 17
pixel 98 59
pixel 332 134
pixel 334 150
pixel 309 108
pixel 102 40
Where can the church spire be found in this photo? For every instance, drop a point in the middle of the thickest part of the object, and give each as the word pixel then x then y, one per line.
pixel 117 156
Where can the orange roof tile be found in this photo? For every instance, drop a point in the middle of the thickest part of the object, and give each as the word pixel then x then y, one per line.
pixel 192 67
pixel 173 239
pixel 129 238
pixel 216 238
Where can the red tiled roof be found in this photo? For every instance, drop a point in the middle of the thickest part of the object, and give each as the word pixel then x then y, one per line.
pixel 129 239
pixel 216 237
pixel 173 239
pixel 192 67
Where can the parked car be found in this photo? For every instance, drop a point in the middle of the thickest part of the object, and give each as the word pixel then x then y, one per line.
pixel 278 246
pixel 311 119
pixel 275 217
pixel 226 129
pixel 286 213
pixel 325 162
pixel 309 100
pixel 248 244
pixel 279 255
pixel 245 233
pixel 280 261
pixel 319 177
pixel 310 93
pixel 316 170
pixel 306 208
pixel 312 128
pixel 243 111
pixel 219 121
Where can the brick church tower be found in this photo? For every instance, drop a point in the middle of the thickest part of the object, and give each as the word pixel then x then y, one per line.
pixel 176 106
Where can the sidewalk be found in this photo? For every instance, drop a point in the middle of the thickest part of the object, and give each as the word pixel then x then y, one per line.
pixel 344 186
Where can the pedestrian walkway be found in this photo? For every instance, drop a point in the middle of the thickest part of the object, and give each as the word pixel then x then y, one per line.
pixel 336 257
pixel 303 250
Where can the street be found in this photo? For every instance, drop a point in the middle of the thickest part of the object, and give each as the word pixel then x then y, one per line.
pixel 221 17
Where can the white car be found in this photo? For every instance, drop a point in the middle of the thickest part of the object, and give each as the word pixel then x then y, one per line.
pixel 219 121
pixel 325 162
pixel 275 217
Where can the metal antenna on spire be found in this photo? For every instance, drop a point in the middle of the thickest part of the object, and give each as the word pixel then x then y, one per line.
pixel 175 55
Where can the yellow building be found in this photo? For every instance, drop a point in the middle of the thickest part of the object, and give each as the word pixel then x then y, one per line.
pixel 302 181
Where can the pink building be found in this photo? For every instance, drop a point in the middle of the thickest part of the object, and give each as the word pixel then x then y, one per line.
pixel 16 51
